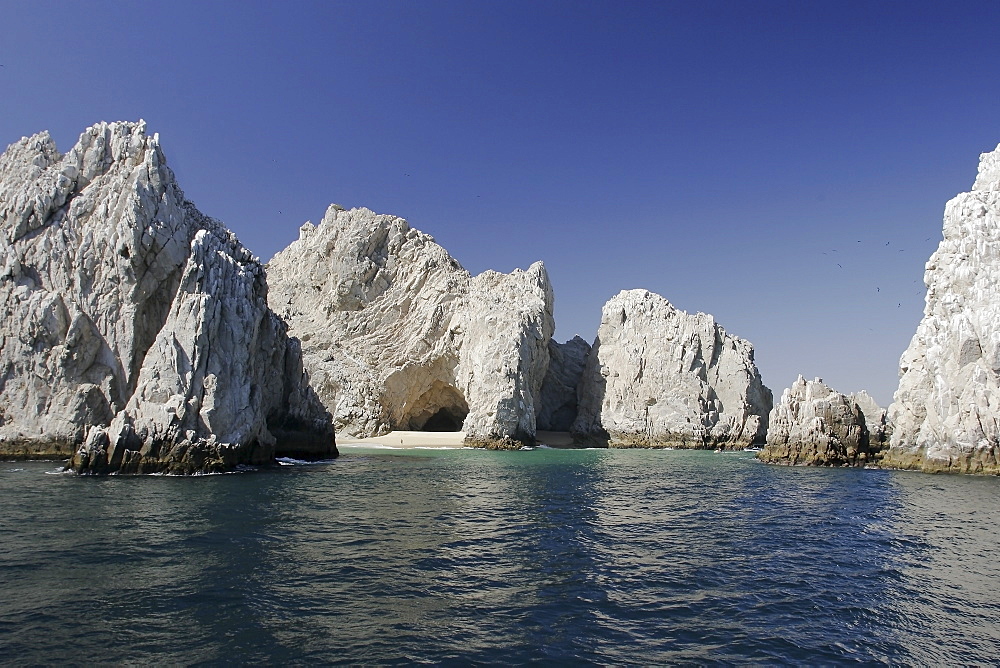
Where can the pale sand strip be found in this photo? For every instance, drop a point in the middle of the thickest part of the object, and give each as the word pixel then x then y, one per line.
pixel 442 439
pixel 410 439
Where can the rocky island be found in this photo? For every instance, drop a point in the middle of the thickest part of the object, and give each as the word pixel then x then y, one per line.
pixel 140 336
pixel 813 425
pixel 136 335
pixel 397 335
pixel 659 377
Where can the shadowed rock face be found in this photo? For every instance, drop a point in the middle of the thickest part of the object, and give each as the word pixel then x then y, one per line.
pixel 814 425
pixel 946 411
pixel 659 377
pixel 397 335
pixel 136 335
pixel 557 409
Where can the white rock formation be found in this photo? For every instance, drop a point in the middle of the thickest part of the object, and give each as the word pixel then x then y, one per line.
pixel 557 409
pixel 397 335
pixel 134 322
pixel 659 377
pixel 816 426
pixel 946 411
pixel 876 420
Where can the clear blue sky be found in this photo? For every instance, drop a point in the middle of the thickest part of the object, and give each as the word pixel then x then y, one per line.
pixel 716 153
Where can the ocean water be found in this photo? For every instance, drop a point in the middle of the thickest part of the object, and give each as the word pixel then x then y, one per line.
pixel 457 557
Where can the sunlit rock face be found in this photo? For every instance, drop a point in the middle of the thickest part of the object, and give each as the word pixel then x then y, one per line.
pixel 660 377
pixel 397 335
pixel 136 335
pixel 946 411
pixel 557 409
pixel 813 425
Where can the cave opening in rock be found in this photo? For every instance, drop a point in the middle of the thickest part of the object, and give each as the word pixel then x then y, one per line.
pixel 441 408
pixel 444 420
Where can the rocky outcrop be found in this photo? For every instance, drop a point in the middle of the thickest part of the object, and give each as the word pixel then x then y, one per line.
pixel 659 377
pixel 136 335
pixel 397 335
pixel 946 411
pixel 813 425
pixel 876 420
pixel 558 406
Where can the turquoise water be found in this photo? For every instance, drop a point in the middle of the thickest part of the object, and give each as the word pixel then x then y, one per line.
pixel 468 556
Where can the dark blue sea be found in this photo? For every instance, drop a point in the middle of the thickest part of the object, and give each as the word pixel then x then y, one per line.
pixel 458 557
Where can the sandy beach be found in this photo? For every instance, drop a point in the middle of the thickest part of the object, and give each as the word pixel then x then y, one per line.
pixel 441 439
pixel 409 439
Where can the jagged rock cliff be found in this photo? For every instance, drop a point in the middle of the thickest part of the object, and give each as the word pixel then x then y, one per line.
pixel 946 412
pixel 814 425
pixel 558 406
pixel 136 335
pixel 397 335
pixel 659 377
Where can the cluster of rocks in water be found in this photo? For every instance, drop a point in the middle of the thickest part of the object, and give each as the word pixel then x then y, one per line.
pixel 140 336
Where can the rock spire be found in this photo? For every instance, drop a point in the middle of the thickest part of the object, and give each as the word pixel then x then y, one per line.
pixel 946 411
pixel 136 335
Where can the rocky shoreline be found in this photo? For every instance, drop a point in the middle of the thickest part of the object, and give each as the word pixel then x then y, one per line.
pixel 140 336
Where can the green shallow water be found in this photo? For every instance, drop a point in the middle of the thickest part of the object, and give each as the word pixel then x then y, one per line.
pixel 468 556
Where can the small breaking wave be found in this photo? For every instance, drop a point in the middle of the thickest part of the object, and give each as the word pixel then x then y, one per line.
pixel 291 461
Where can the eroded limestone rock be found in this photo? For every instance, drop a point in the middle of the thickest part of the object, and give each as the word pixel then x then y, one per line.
pixel 946 411
pixel 397 335
pixel 813 425
pixel 136 335
pixel 659 377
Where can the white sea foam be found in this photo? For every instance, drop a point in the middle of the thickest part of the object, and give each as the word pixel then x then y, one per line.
pixel 289 461
pixel 377 446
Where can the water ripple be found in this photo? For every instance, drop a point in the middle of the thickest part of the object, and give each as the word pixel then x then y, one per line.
pixel 466 556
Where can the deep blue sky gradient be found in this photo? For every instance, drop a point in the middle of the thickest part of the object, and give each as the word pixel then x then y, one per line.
pixel 781 165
